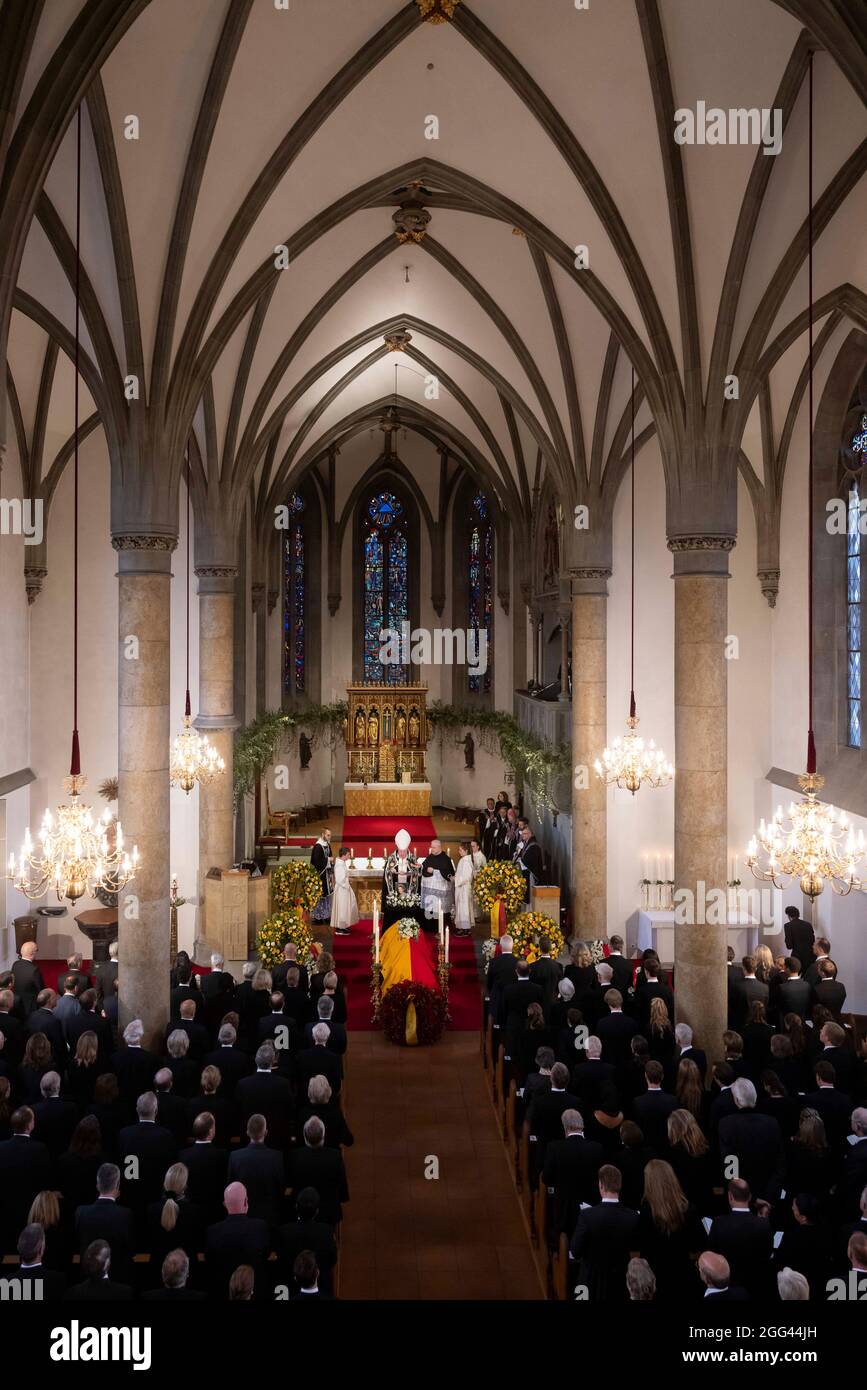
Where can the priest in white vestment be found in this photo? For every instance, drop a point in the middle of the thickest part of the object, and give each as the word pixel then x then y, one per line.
pixel 344 905
pixel 437 879
pixel 464 915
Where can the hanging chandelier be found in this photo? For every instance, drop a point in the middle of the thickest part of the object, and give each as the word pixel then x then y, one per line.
pixel 631 763
pixel 194 759
pixel 815 847
pixel 75 856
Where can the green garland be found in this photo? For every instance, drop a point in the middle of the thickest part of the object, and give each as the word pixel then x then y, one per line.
pixel 536 764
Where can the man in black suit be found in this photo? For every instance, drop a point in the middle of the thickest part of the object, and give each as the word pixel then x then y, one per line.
pixel 186 989
pixel 43 1019
pixel 621 968
pixel 98 1287
pixel 105 1219
pixel 653 1109
pixel 173 1112
pixel 261 1171
pixel 49 1283
pixel 571 1171
pixel 89 1020
pixel 230 1060
pixel 734 975
pixel 715 1274
pixel 744 1239
pixel 651 988
pixel 280 977
pixel 195 1031
pixel 153 1150
pixel 833 1039
pixel 590 1077
pixel 296 999
pixel 683 1036
pixel 319 1061
pixel 487 825
pixel 794 995
pixel 821 951
pixel 828 990
pixel 337 1038
pixel 751 1138
pixel 722 1099
pixel 615 1030
pixel 833 1106
pixel 502 971
pixel 28 977
pixel 745 992
pixel 55 1118
pixel 604 1237
pixel 545 1114
pixel 306 1232
pixel 279 1029
pixel 12 1028
pixel 305 1273
pixel 547 973
pixel 207 1167
pixel 105 974
pixel 267 1093
pixel 528 859
pixel 517 998
pixel 134 1067
pixel 25 1169
pixel 175 1273
pixel 217 991
pixel 320 1168
pixel 799 937
pixel 238 1239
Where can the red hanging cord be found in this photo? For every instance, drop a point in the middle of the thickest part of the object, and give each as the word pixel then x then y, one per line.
pixel 811 741
pixel 75 760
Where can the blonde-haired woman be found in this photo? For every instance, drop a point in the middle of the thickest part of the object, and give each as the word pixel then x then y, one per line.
pixel 670 1233
pixel 83 1070
pixel 219 1106
pixel 45 1208
pixel 691 1160
pixel 173 1222
pixel 660 1034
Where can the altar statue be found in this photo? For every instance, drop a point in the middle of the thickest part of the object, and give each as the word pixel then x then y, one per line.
pixel 360 727
pixel 414 729
pixel 400 728
pixel 373 729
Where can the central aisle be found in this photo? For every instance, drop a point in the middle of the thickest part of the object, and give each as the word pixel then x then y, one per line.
pixel 408 1237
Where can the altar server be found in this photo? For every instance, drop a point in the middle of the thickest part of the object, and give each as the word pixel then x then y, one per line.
pixel 437 879
pixel 464 917
pixel 344 907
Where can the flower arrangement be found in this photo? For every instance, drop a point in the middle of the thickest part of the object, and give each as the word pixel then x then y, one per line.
pixel 597 950
pixel 500 881
pixel 277 930
pixel 408 928
pixel 526 932
pixel 296 884
pixel 412 1013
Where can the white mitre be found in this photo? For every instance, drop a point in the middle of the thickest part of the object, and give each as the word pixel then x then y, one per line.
pixel 402 839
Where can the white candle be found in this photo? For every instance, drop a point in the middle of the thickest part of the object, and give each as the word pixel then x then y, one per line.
pixel 376 933
pixel 646 863
pixel 658 868
pixel 671 868
pixel 447 945
pixel 441 925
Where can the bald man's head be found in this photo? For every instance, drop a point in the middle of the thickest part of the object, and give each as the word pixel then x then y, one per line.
pixel 235 1199
pixel 714 1270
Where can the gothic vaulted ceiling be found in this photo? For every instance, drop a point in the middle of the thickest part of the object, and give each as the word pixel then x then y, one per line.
pixel 310 128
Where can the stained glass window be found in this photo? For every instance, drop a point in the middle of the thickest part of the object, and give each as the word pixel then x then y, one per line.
pixel 853 615
pixel 481 588
pixel 386 584
pixel 294 600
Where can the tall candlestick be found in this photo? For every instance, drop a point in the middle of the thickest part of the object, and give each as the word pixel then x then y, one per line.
pixel 671 868
pixel 440 925
pixel 447 945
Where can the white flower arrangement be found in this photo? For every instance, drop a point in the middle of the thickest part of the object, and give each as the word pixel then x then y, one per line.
pixel 408 928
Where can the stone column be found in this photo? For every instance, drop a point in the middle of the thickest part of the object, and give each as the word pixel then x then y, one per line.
pixel 565 614
pixel 144 592
pixel 216 716
pixel 589 736
pixel 700 788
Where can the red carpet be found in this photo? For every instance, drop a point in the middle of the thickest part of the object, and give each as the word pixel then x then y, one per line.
pixel 53 969
pixel 366 829
pixel 352 956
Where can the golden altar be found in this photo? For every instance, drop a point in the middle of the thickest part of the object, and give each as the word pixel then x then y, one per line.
pixel 386 750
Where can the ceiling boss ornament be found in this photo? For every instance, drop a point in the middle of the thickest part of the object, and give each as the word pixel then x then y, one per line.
pixel 816 847
pixel 437 11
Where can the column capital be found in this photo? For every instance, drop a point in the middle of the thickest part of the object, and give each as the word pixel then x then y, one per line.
pixel 589 579
pixel 216 579
pixel 257 597
pixel 703 553
pixel 144 552
pixel 33 577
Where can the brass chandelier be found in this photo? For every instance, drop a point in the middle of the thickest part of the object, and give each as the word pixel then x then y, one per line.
pixel 631 763
pixel 193 759
pixel 75 856
pixel 816 847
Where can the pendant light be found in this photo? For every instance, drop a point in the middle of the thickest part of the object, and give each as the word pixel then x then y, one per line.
pixel 194 759
pixel 74 857
pixel 813 845
pixel 630 763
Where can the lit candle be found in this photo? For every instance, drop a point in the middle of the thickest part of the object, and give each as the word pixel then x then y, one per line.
pixel 441 925
pixel 671 868
pixel 447 945
pixel 658 868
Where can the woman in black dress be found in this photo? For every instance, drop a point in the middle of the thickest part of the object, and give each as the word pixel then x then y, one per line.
pixel 173 1222
pixel 660 1034
pixel 757 1037
pixel 84 1068
pixel 535 1034
pixel 691 1160
pixel 77 1168
pixel 37 1061
pixel 690 1092
pixel 774 1099
pixel 670 1235
pixel 809 1164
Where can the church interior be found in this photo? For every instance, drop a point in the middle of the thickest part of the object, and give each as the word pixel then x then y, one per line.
pixel 433 774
